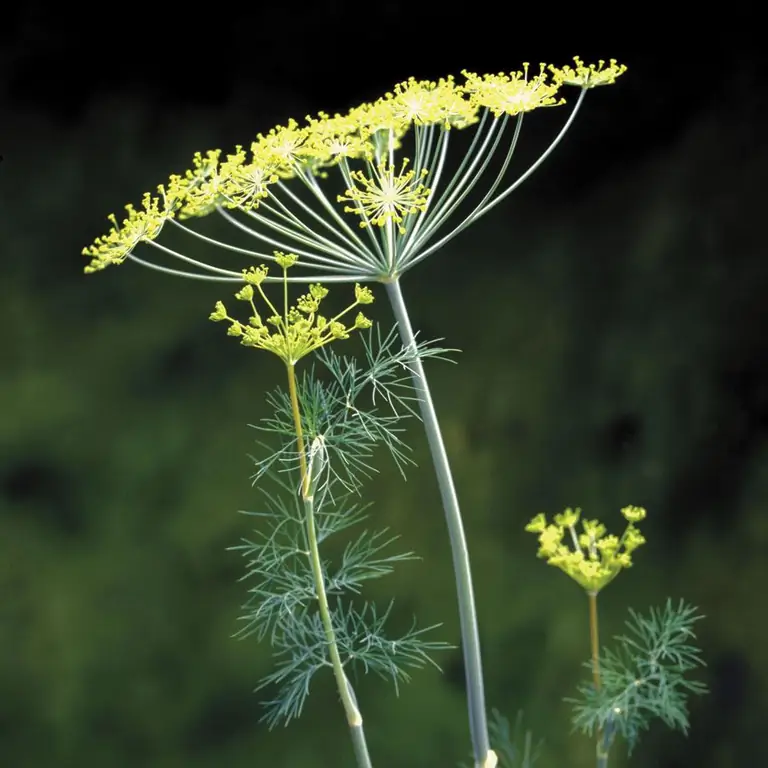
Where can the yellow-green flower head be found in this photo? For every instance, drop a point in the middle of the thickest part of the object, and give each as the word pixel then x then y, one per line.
pixel 595 558
pixel 245 293
pixel 244 184
pixel 588 76
pixel 633 514
pixel 568 518
pixel 425 102
pixel 371 120
pixel 298 330
pixel 200 186
pixel 139 225
pixel 283 148
pixel 363 295
pixel 386 196
pixel 255 275
pixel 332 139
pixel 285 260
pixel 537 524
pixel 514 93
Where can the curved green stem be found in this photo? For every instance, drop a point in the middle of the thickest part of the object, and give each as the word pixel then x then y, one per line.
pixel 470 640
pixel 346 693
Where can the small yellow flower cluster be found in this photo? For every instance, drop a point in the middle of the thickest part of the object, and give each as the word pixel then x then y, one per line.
pixel 590 76
pixel 387 196
pixel 299 330
pixel 596 558
pixel 368 132
pixel 143 224
pixel 512 94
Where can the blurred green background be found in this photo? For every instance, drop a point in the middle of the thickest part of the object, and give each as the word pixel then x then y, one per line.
pixel 612 319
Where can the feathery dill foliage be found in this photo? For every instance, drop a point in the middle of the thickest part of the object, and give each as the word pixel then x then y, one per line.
pixel 645 677
pixel 343 432
pixel 330 395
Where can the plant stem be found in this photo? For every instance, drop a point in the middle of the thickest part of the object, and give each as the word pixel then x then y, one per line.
pixel 594 638
pixel 603 741
pixel 470 640
pixel 604 744
pixel 346 693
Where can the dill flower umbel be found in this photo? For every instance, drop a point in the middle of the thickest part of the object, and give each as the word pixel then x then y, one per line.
pixel 298 330
pixel 391 156
pixel 595 558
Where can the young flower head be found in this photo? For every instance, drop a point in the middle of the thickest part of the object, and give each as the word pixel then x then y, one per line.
pixel 592 558
pixel 299 330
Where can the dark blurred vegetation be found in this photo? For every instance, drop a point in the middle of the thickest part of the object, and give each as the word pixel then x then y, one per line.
pixel 612 317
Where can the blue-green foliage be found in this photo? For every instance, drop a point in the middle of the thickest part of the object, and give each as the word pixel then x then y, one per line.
pixel 341 427
pixel 644 677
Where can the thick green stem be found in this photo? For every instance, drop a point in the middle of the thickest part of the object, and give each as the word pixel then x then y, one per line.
pixel 346 693
pixel 470 639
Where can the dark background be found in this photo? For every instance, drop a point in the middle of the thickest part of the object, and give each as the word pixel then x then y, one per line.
pixel 612 316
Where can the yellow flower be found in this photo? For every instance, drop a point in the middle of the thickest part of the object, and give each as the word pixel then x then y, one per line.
pixel 387 196
pixel 597 558
pixel 140 225
pixel 219 313
pixel 513 93
pixel 568 518
pixel 537 524
pixel 424 102
pixel 298 330
pixel 283 149
pixel 201 186
pixel 244 184
pixel 363 295
pixel 332 139
pixel 588 76
pixel 255 275
pixel 285 260
pixel 633 514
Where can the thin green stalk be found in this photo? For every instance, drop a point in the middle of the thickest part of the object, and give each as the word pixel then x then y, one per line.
pixel 604 741
pixel 604 745
pixel 346 693
pixel 470 640
pixel 594 638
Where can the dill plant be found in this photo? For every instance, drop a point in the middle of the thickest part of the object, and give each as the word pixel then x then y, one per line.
pixel 304 603
pixel 364 197
pixel 643 677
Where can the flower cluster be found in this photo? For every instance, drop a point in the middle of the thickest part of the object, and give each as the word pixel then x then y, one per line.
pixel 368 134
pixel 591 76
pixel 298 330
pixel 596 558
